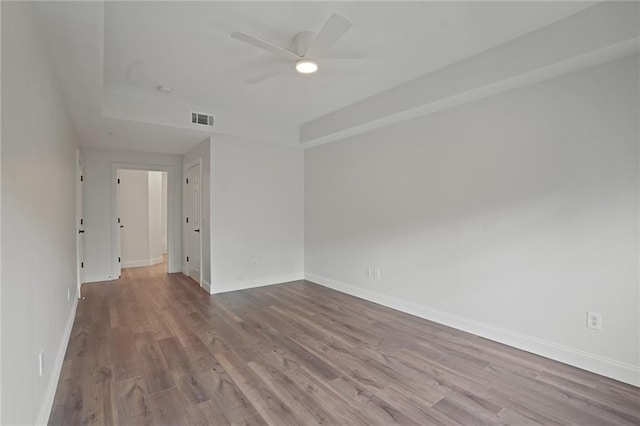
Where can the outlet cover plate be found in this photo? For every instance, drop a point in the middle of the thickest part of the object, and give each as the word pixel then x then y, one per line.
pixel 594 320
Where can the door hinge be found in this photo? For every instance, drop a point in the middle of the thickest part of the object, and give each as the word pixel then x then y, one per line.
pixel 187 220
pixel 82 264
pixel 187 258
pixel 187 180
pixel 118 180
pixel 81 178
pixel 118 220
pixel 118 259
pixel 81 221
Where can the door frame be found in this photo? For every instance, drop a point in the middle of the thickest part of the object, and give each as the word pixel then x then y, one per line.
pixel 79 221
pixel 185 168
pixel 115 240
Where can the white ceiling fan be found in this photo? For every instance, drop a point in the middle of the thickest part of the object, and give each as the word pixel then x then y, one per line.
pixel 305 50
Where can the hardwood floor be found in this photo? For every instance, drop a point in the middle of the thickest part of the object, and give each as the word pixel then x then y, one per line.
pixel 153 348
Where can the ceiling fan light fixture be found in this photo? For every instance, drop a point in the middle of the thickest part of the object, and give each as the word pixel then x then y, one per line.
pixel 165 89
pixel 306 66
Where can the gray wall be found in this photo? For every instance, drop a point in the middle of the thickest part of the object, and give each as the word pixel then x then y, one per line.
pixel 99 204
pixel 512 216
pixel 257 212
pixel 38 221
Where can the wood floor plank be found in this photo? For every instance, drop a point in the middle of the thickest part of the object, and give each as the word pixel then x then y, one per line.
pixel 213 413
pixel 467 408
pixel 507 417
pixel 255 420
pixel 125 358
pixel 271 408
pixel 287 390
pixel 324 396
pixel 170 408
pixel 154 349
pixel 133 401
pixel 152 364
pixel 414 405
pixel 290 350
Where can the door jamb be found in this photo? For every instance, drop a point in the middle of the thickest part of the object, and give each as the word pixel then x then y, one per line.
pixel 79 200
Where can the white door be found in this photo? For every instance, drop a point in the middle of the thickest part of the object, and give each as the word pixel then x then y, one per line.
pixel 119 225
pixel 80 222
pixel 193 222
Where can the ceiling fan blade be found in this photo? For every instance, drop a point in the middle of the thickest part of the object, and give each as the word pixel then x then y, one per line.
pixel 329 34
pixel 264 45
pixel 267 75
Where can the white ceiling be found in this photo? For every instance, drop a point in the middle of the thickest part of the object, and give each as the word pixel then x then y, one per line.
pixel 111 58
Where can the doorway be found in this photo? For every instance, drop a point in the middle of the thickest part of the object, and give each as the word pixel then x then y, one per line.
pixel 142 218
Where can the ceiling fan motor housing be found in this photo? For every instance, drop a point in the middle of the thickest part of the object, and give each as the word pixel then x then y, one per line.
pixel 301 42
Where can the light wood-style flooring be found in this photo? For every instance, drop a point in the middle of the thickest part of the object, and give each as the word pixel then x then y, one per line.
pixel 155 349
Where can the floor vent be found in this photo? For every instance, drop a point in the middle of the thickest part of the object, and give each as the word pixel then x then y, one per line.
pixel 202 119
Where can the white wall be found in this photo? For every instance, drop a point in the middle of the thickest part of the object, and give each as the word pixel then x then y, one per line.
pixel 257 213
pixel 155 216
pixel 510 217
pixel 141 212
pixel 134 215
pixel 202 151
pixel 0 236
pixel 164 212
pixel 98 207
pixel 38 221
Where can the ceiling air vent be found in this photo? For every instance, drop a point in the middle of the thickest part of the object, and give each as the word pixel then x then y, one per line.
pixel 202 119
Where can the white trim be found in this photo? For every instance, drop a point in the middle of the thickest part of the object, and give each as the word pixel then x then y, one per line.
pixel 638 246
pixel 79 218
pixel 206 285
pixel 56 369
pixel 608 367
pixel 185 168
pixel 140 263
pixel 252 283
pixel 114 212
pixel 97 279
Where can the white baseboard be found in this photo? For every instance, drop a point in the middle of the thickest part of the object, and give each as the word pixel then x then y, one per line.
pixel 97 279
pixel 141 263
pixel 206 285
pixel 260 282
pixel 56 369
pixel 624 372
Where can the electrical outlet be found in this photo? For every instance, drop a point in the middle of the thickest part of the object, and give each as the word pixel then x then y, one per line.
pixel 376 273
pixel 367 272
pixel 41 362
pixel 594 320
